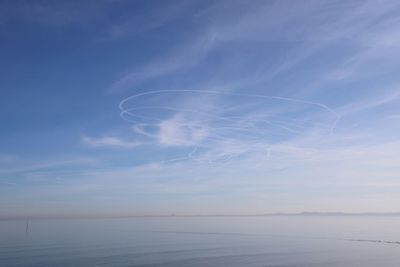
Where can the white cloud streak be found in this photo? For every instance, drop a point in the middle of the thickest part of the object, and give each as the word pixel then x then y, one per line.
pixel 108 141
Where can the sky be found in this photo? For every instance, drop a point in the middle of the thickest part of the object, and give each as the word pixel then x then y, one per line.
pixel 199 107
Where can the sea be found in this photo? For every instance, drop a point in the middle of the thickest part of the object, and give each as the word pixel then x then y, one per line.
pixel 273 241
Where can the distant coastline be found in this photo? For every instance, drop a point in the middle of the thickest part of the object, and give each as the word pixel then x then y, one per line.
pixel 305 214
pixel 308 213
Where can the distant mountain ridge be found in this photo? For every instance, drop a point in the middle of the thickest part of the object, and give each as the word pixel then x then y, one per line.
pixel 317 213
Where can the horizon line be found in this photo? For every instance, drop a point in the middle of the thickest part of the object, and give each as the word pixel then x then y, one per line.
pixel 100 216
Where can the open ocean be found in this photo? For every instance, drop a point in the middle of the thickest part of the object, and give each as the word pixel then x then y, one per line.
pixel 203 241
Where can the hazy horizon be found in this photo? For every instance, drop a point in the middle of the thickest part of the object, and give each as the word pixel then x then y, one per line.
pixel 127 216
pixel 199 107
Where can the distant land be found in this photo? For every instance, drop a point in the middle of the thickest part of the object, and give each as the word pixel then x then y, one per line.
pixel 306 213
pixel 316 213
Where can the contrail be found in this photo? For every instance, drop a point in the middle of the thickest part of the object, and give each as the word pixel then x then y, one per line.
pixel 295 100
pixel 217 128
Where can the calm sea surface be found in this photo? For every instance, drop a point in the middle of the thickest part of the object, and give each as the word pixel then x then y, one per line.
pixel 204 241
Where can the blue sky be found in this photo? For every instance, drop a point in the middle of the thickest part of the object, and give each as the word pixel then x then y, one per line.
pixel 199 107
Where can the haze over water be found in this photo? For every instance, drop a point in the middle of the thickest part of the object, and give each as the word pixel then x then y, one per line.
pixel 203 241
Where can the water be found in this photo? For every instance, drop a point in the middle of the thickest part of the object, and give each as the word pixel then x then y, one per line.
pixel 203 241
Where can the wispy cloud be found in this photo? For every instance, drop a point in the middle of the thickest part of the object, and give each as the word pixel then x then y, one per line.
pixel 182 58
pixel 32 166
pixel 379 99
pixel 175 131
pixel 255 122
pixel 359 25
pixel 108 141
